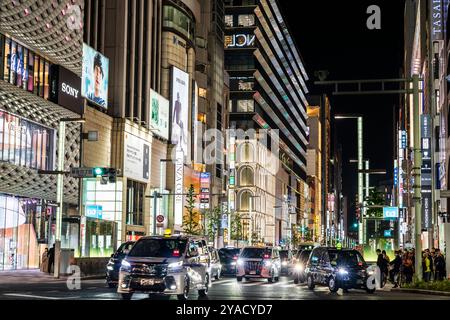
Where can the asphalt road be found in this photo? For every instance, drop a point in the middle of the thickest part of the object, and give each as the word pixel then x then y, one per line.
pixel 224 289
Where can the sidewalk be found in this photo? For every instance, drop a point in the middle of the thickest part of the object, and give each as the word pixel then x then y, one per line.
pixel 421 291
pixel 35 276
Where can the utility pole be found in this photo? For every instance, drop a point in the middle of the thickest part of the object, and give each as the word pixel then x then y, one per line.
pixel 417 179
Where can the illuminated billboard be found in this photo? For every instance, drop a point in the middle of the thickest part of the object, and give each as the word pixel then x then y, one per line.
pixel 180 109
pixel 160 114
pixel 94 77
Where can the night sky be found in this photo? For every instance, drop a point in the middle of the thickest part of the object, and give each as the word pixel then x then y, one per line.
pixel 332 35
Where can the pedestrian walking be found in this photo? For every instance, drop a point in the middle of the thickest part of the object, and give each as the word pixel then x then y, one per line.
pixel 408 267
pixel 51 258
pixel 396 265
pixel 427 266
pixel 44 261
pixel 381 264
pixel 440 267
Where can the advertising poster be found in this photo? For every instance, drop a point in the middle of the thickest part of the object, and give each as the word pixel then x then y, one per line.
pixel 180 109
pixel 179 188
pixel 136 164
pixel 160 114
pixel 95 77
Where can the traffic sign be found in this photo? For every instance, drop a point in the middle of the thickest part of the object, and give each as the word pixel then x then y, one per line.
pixel 82 172
pixel 160 219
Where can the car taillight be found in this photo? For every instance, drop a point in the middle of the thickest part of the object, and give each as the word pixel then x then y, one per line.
pixel 176 253
pixel 235 258
pixel 266 256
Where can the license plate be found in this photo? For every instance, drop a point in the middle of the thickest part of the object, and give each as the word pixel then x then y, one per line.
pixel 252 272
pixel 147 282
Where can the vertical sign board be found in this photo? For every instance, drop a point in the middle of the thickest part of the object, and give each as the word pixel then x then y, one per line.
pixel 195 147
pixel 205 191
pixel 179 188
pixel 426 172
pixel 437 20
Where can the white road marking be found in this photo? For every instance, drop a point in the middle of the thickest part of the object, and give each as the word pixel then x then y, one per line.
pixel 37 297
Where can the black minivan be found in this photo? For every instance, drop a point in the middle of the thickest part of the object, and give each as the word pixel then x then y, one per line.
pixel 337 268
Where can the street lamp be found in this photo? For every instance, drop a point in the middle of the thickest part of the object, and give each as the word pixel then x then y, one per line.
pixel 60 188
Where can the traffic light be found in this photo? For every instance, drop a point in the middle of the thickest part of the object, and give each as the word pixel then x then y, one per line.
pixel 102 173
pixel 112 175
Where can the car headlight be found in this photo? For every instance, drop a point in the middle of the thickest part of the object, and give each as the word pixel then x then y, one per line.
pixel 175 266
pixel 298 268
pixel 343 272
pixel 126 266
pixel 240 262
pixel 233 263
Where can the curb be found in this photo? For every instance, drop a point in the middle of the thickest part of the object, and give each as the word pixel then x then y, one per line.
pixel 97 277
pixel 430 292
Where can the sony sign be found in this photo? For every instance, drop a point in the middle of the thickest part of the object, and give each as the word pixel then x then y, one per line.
pixel 240 40
pixel 65 89
pixel 437 18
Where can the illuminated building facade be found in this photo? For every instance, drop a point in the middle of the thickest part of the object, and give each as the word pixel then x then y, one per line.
pixel 267 94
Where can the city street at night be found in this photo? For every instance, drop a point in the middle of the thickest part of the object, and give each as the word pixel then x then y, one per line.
pixel 203 152
pixel 46 288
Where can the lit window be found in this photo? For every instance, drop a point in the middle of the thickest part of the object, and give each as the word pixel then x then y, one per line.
pixel 245 106
pixel 202 92
pixel 246 20
pixel 229 20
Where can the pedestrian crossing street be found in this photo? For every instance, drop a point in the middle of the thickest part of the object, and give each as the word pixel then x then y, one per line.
pixel 283 283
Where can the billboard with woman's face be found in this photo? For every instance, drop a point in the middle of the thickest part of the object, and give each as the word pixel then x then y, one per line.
pixel 95 77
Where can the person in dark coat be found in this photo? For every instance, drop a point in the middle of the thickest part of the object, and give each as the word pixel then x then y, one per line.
pixel 382 264
pixel 51 258
pixel 396 265
pixel 439 266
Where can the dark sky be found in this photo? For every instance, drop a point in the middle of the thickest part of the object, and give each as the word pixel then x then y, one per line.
pixel 333 36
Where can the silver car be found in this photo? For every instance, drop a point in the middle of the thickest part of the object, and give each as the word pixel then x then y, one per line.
pixel 216 266
pixel 166 265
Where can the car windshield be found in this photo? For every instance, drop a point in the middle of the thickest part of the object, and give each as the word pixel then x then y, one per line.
pixel 284 255
pixel 228 254
pixel 123 247
pixel 304 255
pixel 345 258
pixel 158 248
pixel 255 253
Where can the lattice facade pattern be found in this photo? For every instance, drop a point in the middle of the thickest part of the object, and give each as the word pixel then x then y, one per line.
pixel 26 182
pixel 52 28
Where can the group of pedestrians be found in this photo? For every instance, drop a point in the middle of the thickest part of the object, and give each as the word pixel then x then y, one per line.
pixel 402 267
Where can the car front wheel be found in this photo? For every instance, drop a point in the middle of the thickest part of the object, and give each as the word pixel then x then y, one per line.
pixel 332 285
pixel 204 292
pixel 127 296
pixel 310 282
pixel 185 295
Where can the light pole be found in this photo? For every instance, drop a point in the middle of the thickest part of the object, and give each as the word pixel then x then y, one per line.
pixel 60 189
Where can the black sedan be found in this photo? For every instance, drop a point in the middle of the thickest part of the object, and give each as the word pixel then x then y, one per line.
pixel 113 266
pixel 228 259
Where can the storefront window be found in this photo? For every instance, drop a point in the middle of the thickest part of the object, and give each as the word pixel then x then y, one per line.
pixel 25 143
pixel 176 19
pixel 135 203
pixel 23 228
